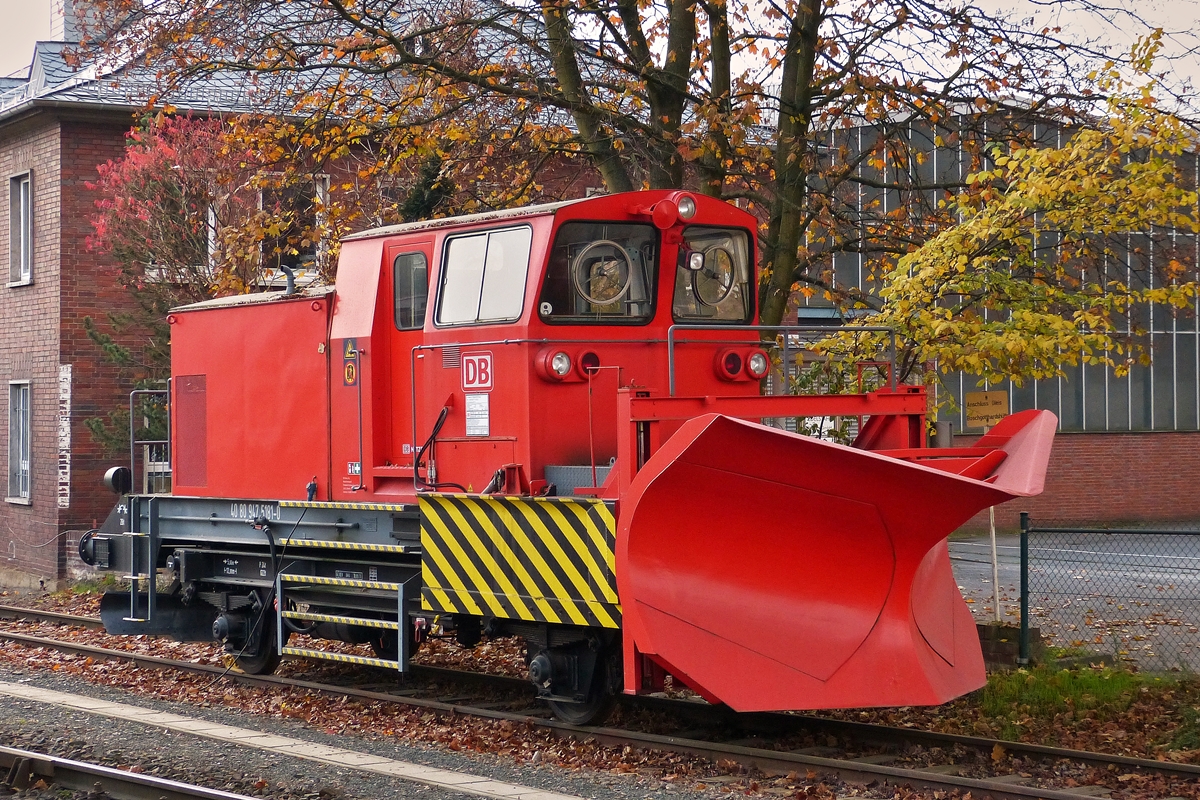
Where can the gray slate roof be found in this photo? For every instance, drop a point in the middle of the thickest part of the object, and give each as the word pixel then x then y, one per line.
pixel 52 81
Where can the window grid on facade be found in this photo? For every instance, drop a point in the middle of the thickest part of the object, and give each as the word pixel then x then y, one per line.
pixel 20 221
pixel 1160 395
pixel 20 435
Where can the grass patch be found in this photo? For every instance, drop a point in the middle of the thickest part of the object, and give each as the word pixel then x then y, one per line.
pixel 98 585
pixel 1187 735
pixel 1044 693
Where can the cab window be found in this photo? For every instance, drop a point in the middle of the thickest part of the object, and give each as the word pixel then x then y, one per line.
pixel 410 281
pixel 483 276
pixel 600 273
pixel 712 278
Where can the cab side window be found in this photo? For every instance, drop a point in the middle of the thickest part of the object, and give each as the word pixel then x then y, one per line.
pixel 410 281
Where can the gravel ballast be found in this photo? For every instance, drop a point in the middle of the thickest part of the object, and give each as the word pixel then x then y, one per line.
pixel 117 743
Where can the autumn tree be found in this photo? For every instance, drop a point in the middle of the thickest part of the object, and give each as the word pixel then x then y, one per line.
pixel 1027 281
pixel 751 99
pixel 191 212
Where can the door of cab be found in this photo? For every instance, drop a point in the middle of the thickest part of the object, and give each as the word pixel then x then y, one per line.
pixel 406 276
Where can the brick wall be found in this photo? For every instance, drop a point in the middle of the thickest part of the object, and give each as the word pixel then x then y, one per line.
pixel 1112 477
pixel 43 322
pixel 89 289
pixel 29 349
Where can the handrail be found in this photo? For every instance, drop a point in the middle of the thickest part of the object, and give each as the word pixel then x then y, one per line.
pixel 787 328
pixel 134 441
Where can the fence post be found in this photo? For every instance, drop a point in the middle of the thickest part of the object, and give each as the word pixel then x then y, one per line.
pixel 1023 654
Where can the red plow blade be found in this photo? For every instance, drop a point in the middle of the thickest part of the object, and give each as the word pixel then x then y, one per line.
pixel 771 571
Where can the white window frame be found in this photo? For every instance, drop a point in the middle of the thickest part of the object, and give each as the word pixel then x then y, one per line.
pixel 20 229
pixel 20 443
pixel 272 277
pixel 450 282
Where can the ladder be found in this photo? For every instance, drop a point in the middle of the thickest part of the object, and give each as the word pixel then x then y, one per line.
pixel 143 556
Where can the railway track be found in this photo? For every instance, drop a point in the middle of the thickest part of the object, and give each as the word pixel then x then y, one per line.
pixel 25 768
pixel 873 768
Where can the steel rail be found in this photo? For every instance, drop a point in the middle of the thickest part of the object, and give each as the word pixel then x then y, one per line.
pixel 24 768
pixel 766 760
pixel 38 615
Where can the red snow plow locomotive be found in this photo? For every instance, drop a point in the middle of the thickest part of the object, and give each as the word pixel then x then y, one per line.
pixel 547 423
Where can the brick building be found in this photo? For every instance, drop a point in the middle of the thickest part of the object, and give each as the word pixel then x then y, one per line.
pixel 57 124
pixel 1128 446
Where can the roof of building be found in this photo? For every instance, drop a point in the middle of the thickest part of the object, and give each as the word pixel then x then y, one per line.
pixel 53 80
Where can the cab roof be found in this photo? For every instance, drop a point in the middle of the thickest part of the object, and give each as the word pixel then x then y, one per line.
pixel 465 219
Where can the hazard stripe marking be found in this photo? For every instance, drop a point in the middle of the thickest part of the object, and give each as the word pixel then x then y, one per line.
pixel 395 587
pixel 326 655
pixel 361 546
pixel 346 506
pixel 308 616
pixel 537 559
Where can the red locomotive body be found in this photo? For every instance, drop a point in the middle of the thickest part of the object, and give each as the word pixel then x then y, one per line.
pixel 545 422
pixel 385 379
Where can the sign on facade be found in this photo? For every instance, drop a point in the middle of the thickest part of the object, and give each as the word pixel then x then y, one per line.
pixel 985 409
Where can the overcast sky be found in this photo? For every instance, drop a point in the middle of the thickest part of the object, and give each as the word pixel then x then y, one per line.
pixel 23 22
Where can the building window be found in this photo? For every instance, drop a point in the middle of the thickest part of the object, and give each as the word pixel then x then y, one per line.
pixel 20 434
pixel 20 228
pixel 298 240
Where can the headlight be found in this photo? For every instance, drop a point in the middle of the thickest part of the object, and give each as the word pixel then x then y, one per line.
pixel 687 207
pixel 757 365
pixel 560 364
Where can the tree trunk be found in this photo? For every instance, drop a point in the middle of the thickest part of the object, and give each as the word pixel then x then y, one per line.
pixel 791 162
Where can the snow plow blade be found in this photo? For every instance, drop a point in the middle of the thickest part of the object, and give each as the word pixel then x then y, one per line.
pixel 773 571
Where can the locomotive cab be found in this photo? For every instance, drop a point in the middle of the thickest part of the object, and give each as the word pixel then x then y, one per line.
pixel 496 346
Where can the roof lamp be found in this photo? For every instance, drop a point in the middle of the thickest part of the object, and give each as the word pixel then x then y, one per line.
pixel 687 207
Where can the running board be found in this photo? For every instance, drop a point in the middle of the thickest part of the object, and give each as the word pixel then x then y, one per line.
pixel 345 658
pixel 404 592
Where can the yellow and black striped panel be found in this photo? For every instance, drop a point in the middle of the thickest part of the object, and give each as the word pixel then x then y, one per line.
pixel 335 545
pixel 544 559
pixel 347 582
pixel 344 506
pixel 345 658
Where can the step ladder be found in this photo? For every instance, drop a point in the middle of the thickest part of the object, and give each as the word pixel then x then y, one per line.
pixel 143 558
pixel 405 591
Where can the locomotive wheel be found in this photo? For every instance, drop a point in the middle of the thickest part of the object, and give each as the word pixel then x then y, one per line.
pixel 596 709
pixel 385 645
pixel 268 658
pixel 601 700
pixel 264 663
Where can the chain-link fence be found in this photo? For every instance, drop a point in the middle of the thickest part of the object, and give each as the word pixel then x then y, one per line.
pixel 1131 592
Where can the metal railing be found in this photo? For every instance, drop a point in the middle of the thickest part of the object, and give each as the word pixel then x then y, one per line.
pixel 1131 592
pixel 156 453
pixel 786 330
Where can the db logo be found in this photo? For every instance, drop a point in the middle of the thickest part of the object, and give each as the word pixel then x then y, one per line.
pixel 477 372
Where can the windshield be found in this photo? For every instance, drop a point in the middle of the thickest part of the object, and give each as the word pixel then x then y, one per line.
pixel 712 279
pixel 600 272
